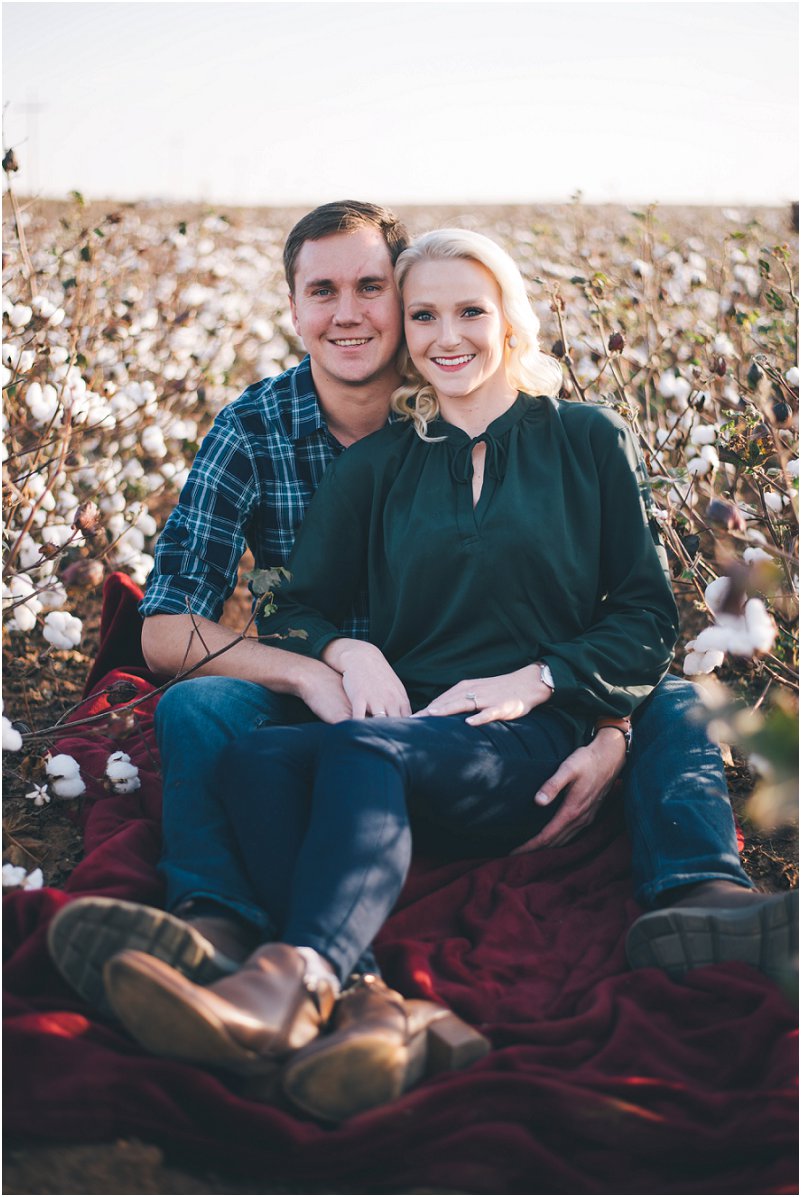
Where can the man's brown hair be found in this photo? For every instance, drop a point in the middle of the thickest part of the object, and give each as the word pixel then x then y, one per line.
pixel 343 216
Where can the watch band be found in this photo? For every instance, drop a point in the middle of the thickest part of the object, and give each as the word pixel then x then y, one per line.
pixel 546 676
pixel 623 725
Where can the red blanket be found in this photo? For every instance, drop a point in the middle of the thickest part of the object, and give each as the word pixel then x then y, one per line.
pixel 601 1080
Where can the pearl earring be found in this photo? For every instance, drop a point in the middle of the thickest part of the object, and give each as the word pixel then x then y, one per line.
pixel 512 341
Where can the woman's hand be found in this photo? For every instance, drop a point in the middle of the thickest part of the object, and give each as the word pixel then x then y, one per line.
pixel 507 696
pixel 370 682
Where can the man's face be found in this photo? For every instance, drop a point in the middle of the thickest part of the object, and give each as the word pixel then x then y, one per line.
pixel 346 308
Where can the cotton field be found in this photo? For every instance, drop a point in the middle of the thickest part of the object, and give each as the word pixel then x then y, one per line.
pixel 127 328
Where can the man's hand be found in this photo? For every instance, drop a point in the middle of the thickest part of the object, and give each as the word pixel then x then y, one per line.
pixel 323 693
pixel 588 775
pixel 507 696
pixel 369 681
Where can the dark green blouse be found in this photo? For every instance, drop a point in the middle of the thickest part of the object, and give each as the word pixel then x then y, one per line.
pixel 556 563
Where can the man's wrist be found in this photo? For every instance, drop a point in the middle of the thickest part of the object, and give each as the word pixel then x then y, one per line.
pixel 622 726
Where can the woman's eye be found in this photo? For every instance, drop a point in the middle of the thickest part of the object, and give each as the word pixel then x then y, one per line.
pixel 473 312
pixel 424 317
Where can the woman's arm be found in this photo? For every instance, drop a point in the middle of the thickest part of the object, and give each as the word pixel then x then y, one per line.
pixel 327 573
pixel 615 663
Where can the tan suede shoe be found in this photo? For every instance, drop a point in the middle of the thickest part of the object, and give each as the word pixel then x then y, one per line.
pixel 378 1046
pixel 242 1023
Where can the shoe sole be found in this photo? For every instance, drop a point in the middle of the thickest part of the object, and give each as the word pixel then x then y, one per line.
pixel 359 1072
pixel 89 931
pixel 352 1077
pixel 677 939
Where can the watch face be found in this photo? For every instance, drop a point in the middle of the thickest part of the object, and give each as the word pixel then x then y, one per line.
pixel 547 676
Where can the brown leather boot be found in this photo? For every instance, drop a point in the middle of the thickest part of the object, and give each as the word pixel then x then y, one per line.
pixel 378 1046
pixel 243 1023
pixel 89 931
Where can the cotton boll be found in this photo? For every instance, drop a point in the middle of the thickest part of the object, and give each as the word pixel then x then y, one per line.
pixel 65 776
pixel 63 630
pixel 123 775
pixel 12 740
pixel 760 625
pixel 62 765
pixel 773 501
pixel 113 503
pixel 152 441
pixel 754 556
pixel 698 663
pixel 704 434
pixel 16 877
pixel 42 402
pixel 20 315
pixel 715 594
pixel 791 376
pixel 722 345
pixel 699 466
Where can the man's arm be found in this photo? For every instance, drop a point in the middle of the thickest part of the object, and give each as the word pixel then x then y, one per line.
pixel 173 644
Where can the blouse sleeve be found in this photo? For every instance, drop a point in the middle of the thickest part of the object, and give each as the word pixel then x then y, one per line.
pixel 326 570
pixel 616 662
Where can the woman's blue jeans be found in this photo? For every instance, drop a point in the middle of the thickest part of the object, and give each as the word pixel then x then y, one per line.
pixel 674 791
pixel 323 813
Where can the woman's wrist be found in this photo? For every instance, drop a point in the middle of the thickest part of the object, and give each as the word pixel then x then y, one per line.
pixel 337 653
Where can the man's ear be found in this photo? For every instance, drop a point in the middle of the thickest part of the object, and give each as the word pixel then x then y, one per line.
pixel 293 311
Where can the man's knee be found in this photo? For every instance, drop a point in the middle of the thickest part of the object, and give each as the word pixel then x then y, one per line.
pixel 673 699
pixel 193 702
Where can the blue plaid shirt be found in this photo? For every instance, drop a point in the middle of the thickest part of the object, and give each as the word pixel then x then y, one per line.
pixel 250 484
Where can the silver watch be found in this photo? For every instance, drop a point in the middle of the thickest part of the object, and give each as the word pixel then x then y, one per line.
pixel 546 676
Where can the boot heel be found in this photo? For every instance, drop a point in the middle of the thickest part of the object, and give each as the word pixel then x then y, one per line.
pixel 453 1044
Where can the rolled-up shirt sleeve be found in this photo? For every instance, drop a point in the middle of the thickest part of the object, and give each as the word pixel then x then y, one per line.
pixel 197 555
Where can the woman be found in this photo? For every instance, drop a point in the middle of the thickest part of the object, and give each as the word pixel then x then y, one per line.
pixel 515 597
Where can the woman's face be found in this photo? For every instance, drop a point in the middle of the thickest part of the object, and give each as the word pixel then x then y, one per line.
pixel 455 327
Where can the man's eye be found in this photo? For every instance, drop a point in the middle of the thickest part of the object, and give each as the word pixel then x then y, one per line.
pixel 321 292
pixel 372 287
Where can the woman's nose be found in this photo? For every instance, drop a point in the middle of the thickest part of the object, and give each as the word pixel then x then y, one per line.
pixel 448 333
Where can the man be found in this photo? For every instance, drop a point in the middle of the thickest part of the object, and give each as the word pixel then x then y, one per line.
pixel 251 482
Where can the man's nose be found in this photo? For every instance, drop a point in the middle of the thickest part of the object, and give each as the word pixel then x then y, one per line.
pixel 348 310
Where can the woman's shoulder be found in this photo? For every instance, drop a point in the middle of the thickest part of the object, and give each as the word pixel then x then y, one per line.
pixel 597 422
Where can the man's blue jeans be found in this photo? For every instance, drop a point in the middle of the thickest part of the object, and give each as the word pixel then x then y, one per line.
pixel 674 790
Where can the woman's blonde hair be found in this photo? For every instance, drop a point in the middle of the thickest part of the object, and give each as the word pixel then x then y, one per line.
pixel 527 367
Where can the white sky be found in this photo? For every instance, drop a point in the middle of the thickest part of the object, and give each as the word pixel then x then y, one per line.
pixel 282 103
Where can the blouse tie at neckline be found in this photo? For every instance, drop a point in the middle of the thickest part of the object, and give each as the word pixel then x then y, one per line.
pixel 494 463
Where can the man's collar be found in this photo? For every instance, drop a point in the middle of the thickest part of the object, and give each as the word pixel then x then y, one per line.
pixel 307 415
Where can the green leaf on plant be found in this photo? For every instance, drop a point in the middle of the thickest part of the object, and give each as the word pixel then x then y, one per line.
pixel 263 581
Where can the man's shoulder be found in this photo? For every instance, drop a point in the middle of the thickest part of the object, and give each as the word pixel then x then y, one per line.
pixel 274 404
